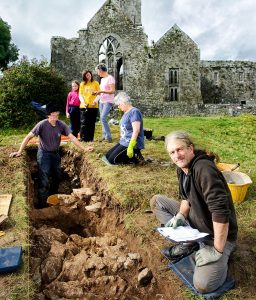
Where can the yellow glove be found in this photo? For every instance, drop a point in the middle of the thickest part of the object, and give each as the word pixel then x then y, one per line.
pixel 130 152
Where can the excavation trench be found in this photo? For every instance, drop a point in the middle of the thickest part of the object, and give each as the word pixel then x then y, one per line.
pixel 79 248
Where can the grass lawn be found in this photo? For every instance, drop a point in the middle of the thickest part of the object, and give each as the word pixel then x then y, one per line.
pixel 232 138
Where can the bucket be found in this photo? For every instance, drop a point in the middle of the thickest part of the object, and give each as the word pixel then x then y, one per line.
pixel 227 167
pixel 53 200
pixel 148 133
pixel 238 184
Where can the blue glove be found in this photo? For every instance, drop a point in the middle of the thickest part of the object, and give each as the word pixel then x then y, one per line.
pixel 207 255
pixel 176 221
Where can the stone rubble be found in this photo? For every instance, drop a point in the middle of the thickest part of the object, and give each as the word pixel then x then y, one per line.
pixel 82 266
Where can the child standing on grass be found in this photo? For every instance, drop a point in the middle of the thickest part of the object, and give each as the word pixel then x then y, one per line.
pixel 72 108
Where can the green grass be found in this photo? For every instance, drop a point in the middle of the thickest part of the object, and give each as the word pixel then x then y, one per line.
pixel 16 228
pixel 232 138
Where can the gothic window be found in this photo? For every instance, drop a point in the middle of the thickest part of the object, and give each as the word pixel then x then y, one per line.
pixel 241 76
pixel 173 76
pixel 110 53
pixel 173 95
pixel 122 4
pixel 133 19
pixel 173 85
pixel 216 77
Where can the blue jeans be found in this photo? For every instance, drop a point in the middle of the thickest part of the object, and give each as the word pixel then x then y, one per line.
pixel 104 112
pixel 48 166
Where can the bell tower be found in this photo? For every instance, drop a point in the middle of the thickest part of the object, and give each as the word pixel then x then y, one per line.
pixel 133 9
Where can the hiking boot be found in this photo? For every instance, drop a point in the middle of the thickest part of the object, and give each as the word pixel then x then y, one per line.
pixel 138 155
pixel 105 140
pixel 180 250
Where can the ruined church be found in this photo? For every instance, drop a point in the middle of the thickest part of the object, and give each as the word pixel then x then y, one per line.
pixel 165 78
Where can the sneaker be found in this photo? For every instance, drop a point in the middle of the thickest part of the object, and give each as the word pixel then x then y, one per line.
pixel 180 250
pixel 105 140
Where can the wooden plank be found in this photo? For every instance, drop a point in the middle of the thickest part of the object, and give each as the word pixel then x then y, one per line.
pixel 5 202
pixel 3 218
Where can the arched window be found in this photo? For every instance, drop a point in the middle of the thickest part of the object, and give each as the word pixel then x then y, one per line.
pixel 110 53
pixel 174 84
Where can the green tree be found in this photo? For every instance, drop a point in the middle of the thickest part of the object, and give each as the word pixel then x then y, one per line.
pixel 8 51
pixel 25 82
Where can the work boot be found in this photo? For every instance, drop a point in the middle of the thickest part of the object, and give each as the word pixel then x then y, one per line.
pixel 180 250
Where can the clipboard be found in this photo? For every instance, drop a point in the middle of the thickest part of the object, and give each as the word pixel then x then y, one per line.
pixel 182 234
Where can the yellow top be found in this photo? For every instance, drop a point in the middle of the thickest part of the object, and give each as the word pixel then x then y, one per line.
pixel 86 90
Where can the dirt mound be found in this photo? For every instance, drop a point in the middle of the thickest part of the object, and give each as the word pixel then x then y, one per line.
pixel 68 265
pixel 73 266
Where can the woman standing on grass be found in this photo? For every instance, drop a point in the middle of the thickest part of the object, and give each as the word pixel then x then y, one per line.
pixel 72 108
pixel 107 94
pixel 89 108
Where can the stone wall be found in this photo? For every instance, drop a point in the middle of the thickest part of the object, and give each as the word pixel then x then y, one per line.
pixel 228 81
pixel 176 50
pixel 110 20
pixel 157 109
pixel 132 9
pixel 146 69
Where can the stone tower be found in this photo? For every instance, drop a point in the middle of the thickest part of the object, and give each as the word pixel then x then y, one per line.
pixel 132 9
pixel 166 78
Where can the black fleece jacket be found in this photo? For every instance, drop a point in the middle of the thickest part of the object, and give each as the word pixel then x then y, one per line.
pixel 208 195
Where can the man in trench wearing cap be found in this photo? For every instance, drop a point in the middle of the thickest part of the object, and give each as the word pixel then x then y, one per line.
pixel 48 157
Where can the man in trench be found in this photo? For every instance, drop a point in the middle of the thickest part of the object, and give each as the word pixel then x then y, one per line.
pixel 48 158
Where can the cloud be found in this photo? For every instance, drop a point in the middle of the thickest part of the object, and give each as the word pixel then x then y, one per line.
pixel 218 28
pixel 222 29
pixel 34 22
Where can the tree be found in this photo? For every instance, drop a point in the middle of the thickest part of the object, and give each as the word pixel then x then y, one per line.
pixel 8 51
pixel 28 81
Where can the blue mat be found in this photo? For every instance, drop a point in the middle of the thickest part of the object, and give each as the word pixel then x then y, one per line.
pixel 185 271
pixel 10 259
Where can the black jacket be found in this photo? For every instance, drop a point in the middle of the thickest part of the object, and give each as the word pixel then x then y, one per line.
pixel 208 195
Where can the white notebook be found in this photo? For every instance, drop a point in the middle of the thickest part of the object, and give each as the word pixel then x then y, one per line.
pixel 181 234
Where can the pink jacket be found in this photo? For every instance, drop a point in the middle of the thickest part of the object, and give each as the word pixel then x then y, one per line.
pixel 72 100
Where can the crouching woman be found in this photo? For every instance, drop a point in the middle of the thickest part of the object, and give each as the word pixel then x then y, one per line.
pixel 131 133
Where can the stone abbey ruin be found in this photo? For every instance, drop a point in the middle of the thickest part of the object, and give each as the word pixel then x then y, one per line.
pixel 164 79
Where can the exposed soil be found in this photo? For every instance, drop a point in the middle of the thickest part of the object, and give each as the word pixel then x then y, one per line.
pixel 80 248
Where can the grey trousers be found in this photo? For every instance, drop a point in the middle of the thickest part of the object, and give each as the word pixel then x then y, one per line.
pixel 206 278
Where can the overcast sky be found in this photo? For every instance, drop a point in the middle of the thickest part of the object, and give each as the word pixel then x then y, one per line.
pixel 223 29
